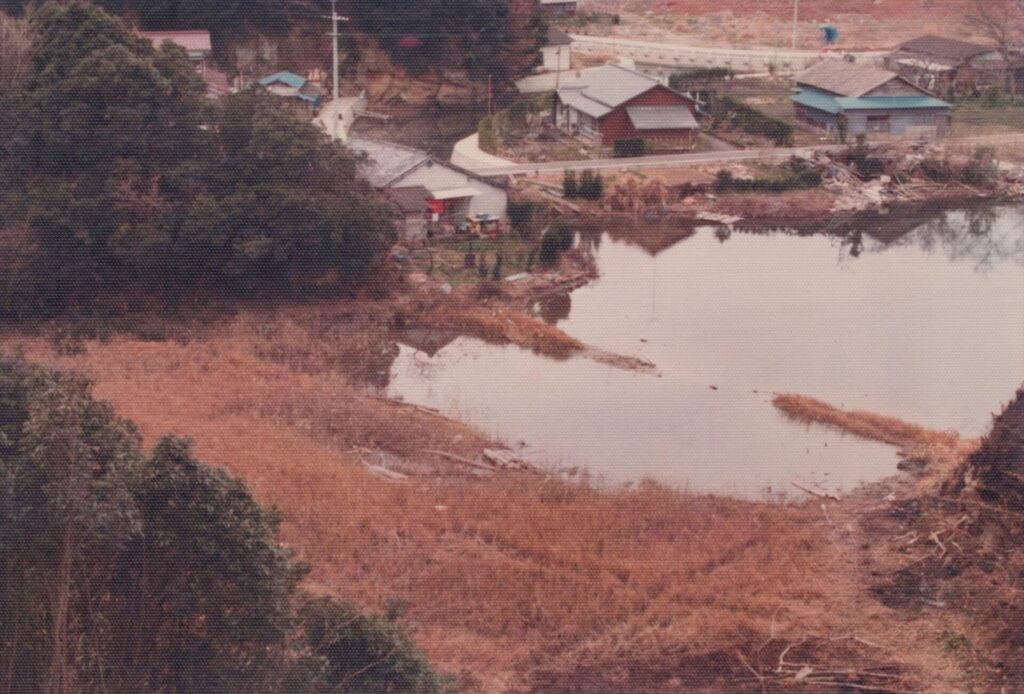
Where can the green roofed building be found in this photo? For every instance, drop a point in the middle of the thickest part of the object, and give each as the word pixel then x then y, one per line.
pixel 864 100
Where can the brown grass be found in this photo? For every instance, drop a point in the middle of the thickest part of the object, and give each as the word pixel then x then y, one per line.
pixel 515 581
pixel 862 423
pixel 942 451
pixel 796 203
pixel 495 322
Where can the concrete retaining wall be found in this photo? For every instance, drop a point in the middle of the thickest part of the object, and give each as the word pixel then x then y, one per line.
pixel 681 57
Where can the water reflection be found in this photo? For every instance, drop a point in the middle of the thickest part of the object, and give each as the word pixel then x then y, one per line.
pixel 982 234
pixel 921 318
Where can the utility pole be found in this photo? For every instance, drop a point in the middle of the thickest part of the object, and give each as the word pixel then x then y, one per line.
pixel 334 35
pixel 796 18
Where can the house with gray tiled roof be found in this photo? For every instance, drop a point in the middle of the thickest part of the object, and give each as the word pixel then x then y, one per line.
pixel 455 197
pixel 850 99
pixel 942 64
pixel 612 102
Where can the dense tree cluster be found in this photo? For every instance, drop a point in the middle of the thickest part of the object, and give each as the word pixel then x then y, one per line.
pixel 114 170
pixel 500 38
pixel 223 18
pixel 127 571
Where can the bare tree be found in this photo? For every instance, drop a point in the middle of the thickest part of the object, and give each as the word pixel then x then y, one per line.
pixel 1002 22
pixel 15 50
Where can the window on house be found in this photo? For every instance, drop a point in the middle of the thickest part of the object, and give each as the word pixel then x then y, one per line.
pixel 878 124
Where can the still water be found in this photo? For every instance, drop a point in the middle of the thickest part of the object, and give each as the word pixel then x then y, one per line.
pixel 919 316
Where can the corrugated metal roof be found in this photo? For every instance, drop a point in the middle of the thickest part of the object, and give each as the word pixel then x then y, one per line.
pixel 889 102
pixel 599 90
pixel 284 77
pixel 454 193
pixel 557 37
pixel 574 98
pixel 941 47
pixel 661 117
pixel 385 161
pixel 614 85
pixel 817 100
pixel 844 78
pixel 837 104
pixel 197 41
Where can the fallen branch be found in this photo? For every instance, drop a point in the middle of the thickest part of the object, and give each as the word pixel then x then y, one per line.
pixel 758 675
pixel 460 459
pixel 820 495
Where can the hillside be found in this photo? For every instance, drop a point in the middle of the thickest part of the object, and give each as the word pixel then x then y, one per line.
pixel 863 24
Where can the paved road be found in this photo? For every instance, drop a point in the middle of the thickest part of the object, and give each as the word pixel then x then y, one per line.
pixel 691 159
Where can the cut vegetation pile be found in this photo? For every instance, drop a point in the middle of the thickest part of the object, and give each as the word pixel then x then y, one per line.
pixel 995 472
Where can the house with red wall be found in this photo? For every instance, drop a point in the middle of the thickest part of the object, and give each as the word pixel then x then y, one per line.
pixel 611 102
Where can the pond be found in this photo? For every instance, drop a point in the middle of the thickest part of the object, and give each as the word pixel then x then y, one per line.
pixel 915 315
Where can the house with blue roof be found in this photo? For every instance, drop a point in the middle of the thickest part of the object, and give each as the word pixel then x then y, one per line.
pixel 302 93
pixel 848 98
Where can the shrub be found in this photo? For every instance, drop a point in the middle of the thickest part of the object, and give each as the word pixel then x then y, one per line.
pixel 630 148
pixel 937 170
pixel 981 169
pixel 550 249
pixel 527 218
pixel 350 650
pixel 591 185
pixel 570 188
pixel 488 138
pixel 564 233
pixel 797 180
pixel 727 110
pixel 698 78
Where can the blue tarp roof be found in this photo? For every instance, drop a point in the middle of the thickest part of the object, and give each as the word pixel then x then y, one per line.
pixel 836 104
pixel 285 77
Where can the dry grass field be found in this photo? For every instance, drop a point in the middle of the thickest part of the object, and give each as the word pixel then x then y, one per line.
pixel 517 581
pixel 863 24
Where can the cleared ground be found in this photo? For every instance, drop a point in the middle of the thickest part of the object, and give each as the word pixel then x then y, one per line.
pixel 863 24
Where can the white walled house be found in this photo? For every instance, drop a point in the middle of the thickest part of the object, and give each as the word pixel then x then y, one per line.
pixel 557 52
pixel 457 197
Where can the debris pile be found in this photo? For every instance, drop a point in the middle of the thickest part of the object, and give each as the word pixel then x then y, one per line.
pixel 995 472
pixel 865 176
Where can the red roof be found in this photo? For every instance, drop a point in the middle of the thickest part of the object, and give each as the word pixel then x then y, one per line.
pixel 192 41
pixel 216 81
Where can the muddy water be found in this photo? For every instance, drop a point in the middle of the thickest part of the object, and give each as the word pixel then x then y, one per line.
pixel 917 316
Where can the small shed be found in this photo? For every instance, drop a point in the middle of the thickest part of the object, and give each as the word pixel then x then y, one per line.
pixel 299 92
pixel 941 64
pixel 557 51
pixel 839 96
